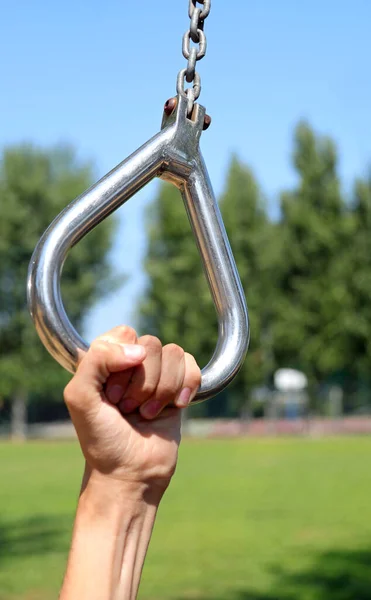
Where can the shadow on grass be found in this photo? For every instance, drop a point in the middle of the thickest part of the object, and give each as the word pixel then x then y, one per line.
pixel 36 535
pixel 334 575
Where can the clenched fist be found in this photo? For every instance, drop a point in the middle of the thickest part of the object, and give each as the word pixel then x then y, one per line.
pixel 124 401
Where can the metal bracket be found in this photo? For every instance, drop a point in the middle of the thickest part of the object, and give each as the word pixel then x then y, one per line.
pixel 173 154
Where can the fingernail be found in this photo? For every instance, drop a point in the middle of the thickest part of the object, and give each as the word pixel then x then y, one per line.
pixel 150 409
pixel 115 393
pixel 128 405
pixel 134 351
pixel 184 397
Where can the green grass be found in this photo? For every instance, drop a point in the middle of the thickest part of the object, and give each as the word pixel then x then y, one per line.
pixel 243 520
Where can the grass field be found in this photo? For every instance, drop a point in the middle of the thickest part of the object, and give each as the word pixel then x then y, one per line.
pixel 243 520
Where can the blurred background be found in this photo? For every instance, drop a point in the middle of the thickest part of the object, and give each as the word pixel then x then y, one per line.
pixel 271 497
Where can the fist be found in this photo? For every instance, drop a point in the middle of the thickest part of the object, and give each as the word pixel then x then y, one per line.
pixel 124 401
pixel 167 376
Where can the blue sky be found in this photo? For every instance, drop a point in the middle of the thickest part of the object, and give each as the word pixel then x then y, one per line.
pixel 96 74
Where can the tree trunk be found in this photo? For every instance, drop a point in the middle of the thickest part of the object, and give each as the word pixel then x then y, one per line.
pixel 245 412
pixel 19 416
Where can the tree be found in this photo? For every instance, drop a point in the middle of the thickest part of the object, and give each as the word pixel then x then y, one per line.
pixel 358 275
pixel 35 185
pixel 178 306
pixel 255 248
pixel 312 303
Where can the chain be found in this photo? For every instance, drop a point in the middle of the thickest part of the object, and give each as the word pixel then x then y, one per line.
pixel 193 53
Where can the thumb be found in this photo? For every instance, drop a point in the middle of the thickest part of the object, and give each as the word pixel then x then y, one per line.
pixel 102 359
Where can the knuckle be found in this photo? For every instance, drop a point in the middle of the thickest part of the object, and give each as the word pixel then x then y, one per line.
pixel 69 393
pixel 195 380
pixel 191 359
pixel 173 350
pixel 151 342
pixel 193 372
pixel 125 331
pixel 72 396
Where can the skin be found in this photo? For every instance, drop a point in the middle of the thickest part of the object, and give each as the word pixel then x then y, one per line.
pixel 124 401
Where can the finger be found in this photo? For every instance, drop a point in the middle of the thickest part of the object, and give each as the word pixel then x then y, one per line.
pixel 102 359
pixel 170 384
pixel 117 383
pixel 145 378
pixel 121 334
pixel 191 382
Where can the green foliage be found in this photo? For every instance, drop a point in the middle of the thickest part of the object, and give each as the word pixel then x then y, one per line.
pixel 357 322
pixel 306 277
pixel 35 185
pixel 255 248
pixel 308 326
pixel 242 520
pixel 177 306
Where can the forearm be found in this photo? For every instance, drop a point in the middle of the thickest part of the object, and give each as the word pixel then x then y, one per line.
pixel 113 526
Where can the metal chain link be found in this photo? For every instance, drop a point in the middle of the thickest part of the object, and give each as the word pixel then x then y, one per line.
pixel 193 54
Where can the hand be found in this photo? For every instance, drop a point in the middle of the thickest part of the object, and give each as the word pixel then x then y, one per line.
pixel 118 375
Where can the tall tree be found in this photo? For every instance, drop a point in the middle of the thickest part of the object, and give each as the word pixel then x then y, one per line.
pixel 35 185
pixel 308 332
pixel 255 248
pixel 358 262
pixel 178 306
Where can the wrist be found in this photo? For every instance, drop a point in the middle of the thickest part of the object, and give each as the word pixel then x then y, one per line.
pixel 109 490
pixel 113 526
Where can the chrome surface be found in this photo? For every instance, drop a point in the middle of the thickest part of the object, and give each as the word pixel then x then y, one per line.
pixel 173 154
pixel 193 54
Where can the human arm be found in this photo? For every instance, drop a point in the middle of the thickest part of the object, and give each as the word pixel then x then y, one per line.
pixel 130 457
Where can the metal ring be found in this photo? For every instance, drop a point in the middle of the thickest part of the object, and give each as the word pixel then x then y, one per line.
pixel 187 44
pixel 196 24
pixel 190 101
pixel 180 84
pixel 205 11
pixel 197 85
pixel 191 66
pixel 190 93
